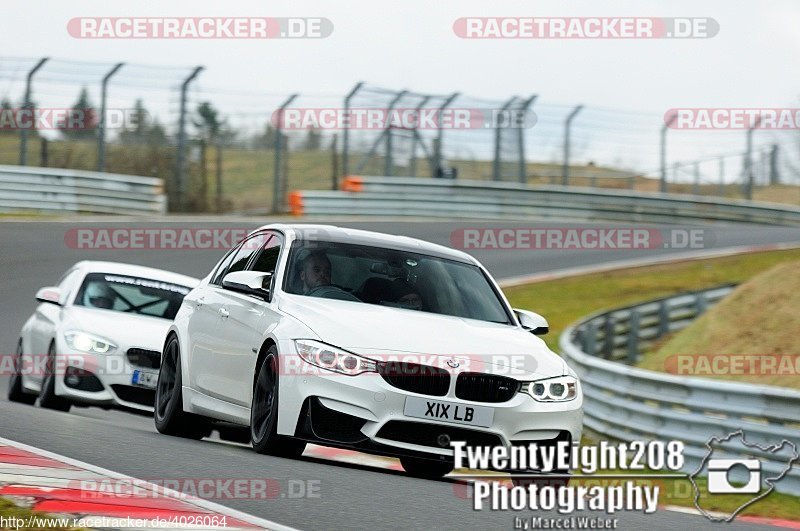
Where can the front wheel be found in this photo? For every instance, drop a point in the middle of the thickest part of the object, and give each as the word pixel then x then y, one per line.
pixel 15 391
pixel 47 396
pixel 264 413
pixel 169 416
pixel 426 468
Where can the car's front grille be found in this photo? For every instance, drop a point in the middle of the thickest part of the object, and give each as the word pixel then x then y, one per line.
pixel 480 387
pixel 436 435
pixel 147 359
pixel 137 395
pixel 422 379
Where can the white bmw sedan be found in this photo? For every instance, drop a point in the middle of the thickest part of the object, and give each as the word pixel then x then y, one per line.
pixel 360 340
pixel 96 337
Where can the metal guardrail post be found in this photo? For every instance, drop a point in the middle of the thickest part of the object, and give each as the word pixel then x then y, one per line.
pixel 277 199
pixel 633 337
pixel 346 131
pixel 101 129
pixel 567 127
pixel 28 104
pixel 523 177
pixel 180 181
pixel 700 304
pixel 436 167
pixel 590 339
pixel 498 131
pixel 664 129
pixel 663 318
pixel 608 340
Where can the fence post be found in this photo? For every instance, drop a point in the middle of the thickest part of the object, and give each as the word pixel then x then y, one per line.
pixel 436 169
pixel 346 131
pixel 608 340
pixel 774 176
pixel 567 127
pixel 334 163
pixel 696 186
pixel 498 138
pixel 101 129
pixel 388 166
pixel 664 129
pixel 523 177
pixel 277 200
pixel 179 179
pixel 748 189
pixel 28 104
pixel 722 176
pixel 413 161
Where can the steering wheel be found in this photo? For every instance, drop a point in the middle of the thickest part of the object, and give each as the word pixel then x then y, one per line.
pixel 332 292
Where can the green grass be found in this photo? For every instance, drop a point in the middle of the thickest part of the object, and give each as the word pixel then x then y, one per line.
pixel 564 301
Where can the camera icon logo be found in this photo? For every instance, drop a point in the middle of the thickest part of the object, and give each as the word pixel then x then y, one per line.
pixel 722 472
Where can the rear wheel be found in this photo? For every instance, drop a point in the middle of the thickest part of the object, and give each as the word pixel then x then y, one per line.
pixel 47 396
pixel 169 416
pixel 264 413
pixel 15 391
pixel 426 468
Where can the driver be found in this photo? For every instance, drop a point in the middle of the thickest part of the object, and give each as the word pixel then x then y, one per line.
pixel 99 295
pixel 316 271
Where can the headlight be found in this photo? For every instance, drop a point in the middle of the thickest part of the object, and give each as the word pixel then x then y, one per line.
pixel 332 358
pixel 88 343
pixel 559 389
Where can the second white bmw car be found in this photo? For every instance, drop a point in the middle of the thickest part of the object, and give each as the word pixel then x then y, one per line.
pixel 361 340
pixel 95 337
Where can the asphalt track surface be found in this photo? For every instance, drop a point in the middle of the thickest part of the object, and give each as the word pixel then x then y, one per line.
pixel 34 254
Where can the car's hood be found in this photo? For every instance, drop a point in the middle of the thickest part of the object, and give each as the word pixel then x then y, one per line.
pixel 380 332
pixel 123 329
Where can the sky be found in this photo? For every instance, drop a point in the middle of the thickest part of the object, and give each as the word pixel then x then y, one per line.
pixel 751 62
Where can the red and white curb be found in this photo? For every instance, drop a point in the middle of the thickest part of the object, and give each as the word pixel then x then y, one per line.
pixel 50 483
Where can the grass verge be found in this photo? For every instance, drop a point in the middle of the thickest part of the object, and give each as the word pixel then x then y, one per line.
pixel 30 520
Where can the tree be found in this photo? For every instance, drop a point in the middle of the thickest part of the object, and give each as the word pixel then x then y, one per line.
pixel 208 121
pixel 313 140
pixel 265 140
pixel 83 119
pixel 141 130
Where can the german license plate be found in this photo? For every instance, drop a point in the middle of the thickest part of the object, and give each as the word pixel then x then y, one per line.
pixel 145 379
pixel 423 408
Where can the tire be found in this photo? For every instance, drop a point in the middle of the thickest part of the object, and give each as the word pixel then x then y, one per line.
pixel 15 391
pixel 426 468
pixel 170 419
pixel 47 396
pixel 264 412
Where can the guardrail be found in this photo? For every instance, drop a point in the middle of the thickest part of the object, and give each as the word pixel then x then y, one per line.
pixel 399 196
pixel 627 403
pixel 55 190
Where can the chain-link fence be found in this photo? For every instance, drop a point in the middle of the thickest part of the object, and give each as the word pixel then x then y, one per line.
pixel 238 152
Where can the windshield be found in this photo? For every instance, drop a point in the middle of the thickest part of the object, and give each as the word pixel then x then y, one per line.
pixel 394 278
pixel 129 294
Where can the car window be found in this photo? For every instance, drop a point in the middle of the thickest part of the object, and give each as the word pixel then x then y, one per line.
pixel 223 267
pixel 246 251
pixel 129 294
pixel 395 278
pixel 267 259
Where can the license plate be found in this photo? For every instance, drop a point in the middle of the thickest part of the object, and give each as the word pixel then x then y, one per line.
pixel 422 408
pixel 145 379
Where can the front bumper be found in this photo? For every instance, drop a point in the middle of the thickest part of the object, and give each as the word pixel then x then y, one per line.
pixel 103 380
pixel 384 428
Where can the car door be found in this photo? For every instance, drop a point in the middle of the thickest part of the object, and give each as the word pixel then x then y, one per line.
pixel 202 326
pixel 247 319
pixel 212 376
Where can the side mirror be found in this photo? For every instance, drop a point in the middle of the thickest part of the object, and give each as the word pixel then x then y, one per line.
pixel 249 282
pixel 533 322
pixel 50 294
